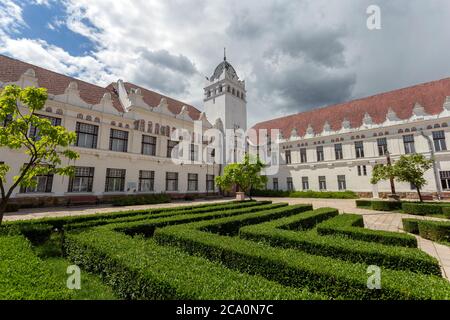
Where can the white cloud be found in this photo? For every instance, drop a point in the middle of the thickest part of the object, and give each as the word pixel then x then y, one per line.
pixel 293 54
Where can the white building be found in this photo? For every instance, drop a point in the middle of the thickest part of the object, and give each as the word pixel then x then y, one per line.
pixel 335 147
pixel 124 135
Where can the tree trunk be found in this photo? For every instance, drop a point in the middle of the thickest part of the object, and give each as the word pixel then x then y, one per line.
pixel 3 204
pixel 420 195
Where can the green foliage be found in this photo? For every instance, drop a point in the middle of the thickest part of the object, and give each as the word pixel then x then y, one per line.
pixel 141 269
pixel 363 203
pixel 141 200
pixel 434 230
pixel 352 226
pixel 409 168
pixel 246 175
pixel 25 276
pixel 411 225
pixel 285 233
pixel 423 209
pixel 293 268
pixel 306 194
pixel 45 150
pixel 386 205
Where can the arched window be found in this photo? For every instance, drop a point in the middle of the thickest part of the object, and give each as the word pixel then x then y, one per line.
pixel 400 130
pixel 406 130
pixel 437 125
pixel 48 109
pixel 444 125
pixel 413 129
pixel 157 128
pixel 163 130
pixel 168 131
pixel 232 91
pixel 88 118
pixel 97 119
pixel 79 116
pixel 429 127
pixel 113 123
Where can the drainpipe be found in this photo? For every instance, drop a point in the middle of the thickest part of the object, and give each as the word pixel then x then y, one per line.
pixel 436 179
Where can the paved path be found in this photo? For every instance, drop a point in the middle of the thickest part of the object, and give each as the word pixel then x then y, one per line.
pixel 376 220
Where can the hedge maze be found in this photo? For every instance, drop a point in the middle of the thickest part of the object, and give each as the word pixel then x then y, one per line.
pixel 237 250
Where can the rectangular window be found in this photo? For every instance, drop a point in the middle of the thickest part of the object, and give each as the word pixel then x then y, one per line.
pixel 290 185
pixel 322 183
pixel 34 132
pixel 275 183
pixel 439 141
pixel 146 180
pixel 319 151
pixel 382 146
pixel 341 182
pixel 303 158
pixel 148 145
pixel 362 170
pixel 115 180
pixel 82 180
pixel 359 149
pixel 408 143
pixel 171 181
pixel 210 182
pixel 193 150
pixel 44 184
pixel 192 181
pixel 118 140
pixel 338 151
pixel 445 180
pixel 305 183
pixel 288 156
pixel 87 135
pixel 170 145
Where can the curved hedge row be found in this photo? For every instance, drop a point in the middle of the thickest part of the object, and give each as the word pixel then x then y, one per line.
pixel 141 269
pixel 428 229
pixel 351 226
pixel 333 277
pixel 422 209
pixel 278 233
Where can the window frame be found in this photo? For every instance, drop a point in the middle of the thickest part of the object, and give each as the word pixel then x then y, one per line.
pixel 113 138
pixel 146 144
pixel 146 179
pixel 89 177
pixel 110 177
pixel 94 135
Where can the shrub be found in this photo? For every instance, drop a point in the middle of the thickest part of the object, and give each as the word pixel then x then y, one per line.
pixel 25 276
pixel 446 211
pixel 363 203
pixel 62 221
pixel 434 230
pixel 12 207
pixel 332 277
pixel 386 205
pixel 306 194
pixel 141 269
pixel 411 225
pixel 147 228
pixel 278 233
pixel 422 209
pixel 350 225
pixel 141 200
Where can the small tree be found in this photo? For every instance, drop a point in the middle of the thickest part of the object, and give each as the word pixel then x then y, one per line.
pixel 246 176
pixel 409 168
pixel 44 146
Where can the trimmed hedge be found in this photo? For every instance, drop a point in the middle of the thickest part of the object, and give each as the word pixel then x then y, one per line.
pixel 411 225
pixel 446 211
pixel 147 228
pixel 23 275
pixel 434 230
pixel 386 205
pixel 332 277
pixel 363 203
pixel 140 269
pixel 423 209
pixel 59 222
pixel 278 233
pixel 351 226
pixel 305 194
pixel 141 200
pixel 168 213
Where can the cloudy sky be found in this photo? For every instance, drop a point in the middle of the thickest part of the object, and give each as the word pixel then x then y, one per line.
pixel 294 55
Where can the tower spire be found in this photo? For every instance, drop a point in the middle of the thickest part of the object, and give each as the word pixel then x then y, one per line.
pixel 224 54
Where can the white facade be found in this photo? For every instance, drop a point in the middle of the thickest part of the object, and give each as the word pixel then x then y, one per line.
pixel 326 168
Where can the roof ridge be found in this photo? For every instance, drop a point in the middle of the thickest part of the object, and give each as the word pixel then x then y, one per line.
pixel 355 100
pixel 55 72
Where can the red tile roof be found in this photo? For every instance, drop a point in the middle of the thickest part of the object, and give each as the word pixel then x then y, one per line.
pixel 56 83
pixel 430 95
pixel 153 98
